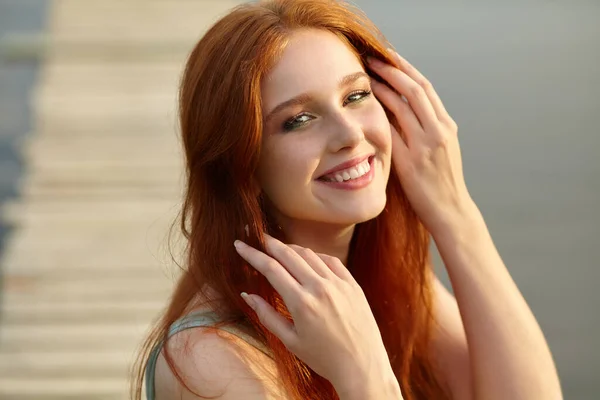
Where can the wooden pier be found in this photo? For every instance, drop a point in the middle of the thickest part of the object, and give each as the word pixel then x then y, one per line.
pixel 87 266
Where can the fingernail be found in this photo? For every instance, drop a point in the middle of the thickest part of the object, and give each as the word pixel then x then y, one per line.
pixel 239 244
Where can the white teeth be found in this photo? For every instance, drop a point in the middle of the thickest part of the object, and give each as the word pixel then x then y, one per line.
pixel 351 173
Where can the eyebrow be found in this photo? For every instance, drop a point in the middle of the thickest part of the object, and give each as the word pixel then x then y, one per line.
pixel 305 98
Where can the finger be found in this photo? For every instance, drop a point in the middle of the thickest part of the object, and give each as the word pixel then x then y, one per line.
pixel 406 86
pixel 336 266
pixel 400 151
pixel 290 260
pixel 312 260
pixel 276 274
pixel 405 116
pixel 272 320
pixel 411 71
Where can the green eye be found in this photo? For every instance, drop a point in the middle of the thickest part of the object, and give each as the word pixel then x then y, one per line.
pixel 296 122
pixel 302 119
pixel 357 96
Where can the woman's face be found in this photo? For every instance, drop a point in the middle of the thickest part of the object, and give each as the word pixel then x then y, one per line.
pixel 320 116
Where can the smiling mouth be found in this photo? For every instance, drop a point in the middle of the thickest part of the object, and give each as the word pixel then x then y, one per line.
pixel 350 174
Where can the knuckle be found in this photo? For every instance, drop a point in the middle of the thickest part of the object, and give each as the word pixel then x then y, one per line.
pixel 287 251
pixel 417 91
pixel 440 140
pixel 296 250
pixel 451 124
pixel 402 63
pixel 322 290
pixel 271 267
pixel 335 263
pixel 285 254
pixel 425 84
pixel 335 260
pixel 308 252
pixel 324 257
pixel 421 160
pixel 302 251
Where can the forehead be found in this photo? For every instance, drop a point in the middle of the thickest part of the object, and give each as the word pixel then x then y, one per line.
pixel 313 61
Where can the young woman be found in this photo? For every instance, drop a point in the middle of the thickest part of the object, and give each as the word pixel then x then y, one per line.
pixel 319 163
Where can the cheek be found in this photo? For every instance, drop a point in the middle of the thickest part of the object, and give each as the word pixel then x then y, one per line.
pixel 281 168
pixel 377 127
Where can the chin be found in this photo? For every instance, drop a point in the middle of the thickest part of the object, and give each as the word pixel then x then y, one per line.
pixel 373 213
pixel 358 215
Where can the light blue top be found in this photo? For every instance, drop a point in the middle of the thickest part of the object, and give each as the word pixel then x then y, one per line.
pixel 192 320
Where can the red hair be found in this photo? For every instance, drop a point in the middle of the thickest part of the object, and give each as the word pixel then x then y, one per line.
pixel 221 124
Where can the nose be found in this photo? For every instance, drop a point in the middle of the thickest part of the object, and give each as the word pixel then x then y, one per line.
pixel 346 133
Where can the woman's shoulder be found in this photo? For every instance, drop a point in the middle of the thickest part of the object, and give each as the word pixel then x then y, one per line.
pixel 220 363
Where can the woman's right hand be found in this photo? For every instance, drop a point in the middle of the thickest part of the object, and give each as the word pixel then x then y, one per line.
pixel 333 329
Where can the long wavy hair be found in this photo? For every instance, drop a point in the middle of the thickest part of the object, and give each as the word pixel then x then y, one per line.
pixel 221 124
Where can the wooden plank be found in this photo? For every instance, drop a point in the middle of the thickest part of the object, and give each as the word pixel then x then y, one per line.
pixel 25 388
pixel 164 149
pixel 124 337
pixel 86 267
pixel 60 365
pixel 109 78
pixel 132 20
pixel 111 311
pixel 136 211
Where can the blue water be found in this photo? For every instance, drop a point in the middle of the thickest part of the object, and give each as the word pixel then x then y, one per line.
pixel 16 83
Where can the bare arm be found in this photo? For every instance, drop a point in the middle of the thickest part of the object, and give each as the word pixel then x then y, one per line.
pixel 509 356
pixel 449 349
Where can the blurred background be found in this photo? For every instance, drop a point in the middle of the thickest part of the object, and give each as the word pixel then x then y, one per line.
pixel 90 169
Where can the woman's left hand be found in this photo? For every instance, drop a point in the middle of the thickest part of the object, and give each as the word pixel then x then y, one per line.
pixel 425 149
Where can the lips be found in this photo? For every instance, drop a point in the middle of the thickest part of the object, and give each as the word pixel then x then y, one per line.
pixel 354 178
pixel 347 164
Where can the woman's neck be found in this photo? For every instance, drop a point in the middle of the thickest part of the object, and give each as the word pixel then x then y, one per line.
pixel 333 240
